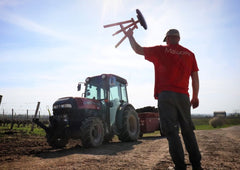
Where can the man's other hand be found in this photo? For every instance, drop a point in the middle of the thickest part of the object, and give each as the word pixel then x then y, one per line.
pixel 195 102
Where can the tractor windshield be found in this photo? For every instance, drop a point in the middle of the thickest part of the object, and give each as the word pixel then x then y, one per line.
pixel 95 88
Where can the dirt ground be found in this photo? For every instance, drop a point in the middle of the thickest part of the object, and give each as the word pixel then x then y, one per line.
pixel 220 149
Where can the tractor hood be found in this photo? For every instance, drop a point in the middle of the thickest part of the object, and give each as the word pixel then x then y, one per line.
pixel 76 103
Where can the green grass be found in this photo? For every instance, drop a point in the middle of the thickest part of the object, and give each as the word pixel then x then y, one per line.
pixel 156 133
pixel 38 131
pixel 203 123
pixel 204 127
pixel 208 127
pixel 23 130
pixel 233 121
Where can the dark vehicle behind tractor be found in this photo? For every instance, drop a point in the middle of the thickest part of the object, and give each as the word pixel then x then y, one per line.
pixel 149 120
pixel 103 112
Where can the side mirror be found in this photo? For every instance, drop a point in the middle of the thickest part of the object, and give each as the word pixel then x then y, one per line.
pixel 79 87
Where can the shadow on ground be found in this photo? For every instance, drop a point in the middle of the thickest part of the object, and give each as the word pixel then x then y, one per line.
pixel 111 148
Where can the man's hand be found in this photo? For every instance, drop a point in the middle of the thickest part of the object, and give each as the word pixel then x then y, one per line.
pixel 135 46
pixel 195 86
pixel 195 102
pixel 129 33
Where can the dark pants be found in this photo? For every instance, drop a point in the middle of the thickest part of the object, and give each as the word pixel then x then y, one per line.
pixel 174 111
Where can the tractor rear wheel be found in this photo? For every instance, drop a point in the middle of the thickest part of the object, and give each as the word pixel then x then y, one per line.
pixel 92 132
pixel 130 125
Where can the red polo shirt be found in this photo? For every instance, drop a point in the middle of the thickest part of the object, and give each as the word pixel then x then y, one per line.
pixel 173 66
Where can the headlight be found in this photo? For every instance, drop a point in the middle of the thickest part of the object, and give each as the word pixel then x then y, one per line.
pixel 66 106
pixel 62 106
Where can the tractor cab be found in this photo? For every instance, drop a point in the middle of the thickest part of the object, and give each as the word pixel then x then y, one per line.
pixel 110 90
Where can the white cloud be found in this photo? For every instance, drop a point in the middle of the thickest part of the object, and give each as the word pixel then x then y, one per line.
pixel 111 8
pixel 33 26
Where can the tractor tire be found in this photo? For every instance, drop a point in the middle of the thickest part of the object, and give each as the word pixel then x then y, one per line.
pixel 130 125
pixel 92 132
pixel 56 141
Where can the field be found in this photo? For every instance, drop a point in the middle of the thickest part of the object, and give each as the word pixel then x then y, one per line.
pixel 21 148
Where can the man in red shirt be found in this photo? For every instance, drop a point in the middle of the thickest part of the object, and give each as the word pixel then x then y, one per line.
pixel 174 65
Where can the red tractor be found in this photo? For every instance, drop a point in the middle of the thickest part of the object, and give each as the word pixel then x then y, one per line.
pixel 103 112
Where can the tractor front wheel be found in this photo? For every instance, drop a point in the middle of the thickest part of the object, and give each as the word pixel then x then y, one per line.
pixel 92 132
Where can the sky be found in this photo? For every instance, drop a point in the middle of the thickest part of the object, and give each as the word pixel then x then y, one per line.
pixel 48 46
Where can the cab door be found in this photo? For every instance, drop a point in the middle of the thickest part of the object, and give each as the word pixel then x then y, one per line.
pixel 115 98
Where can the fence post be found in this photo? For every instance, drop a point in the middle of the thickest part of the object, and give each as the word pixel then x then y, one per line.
pixel 36 111
pixel 12 123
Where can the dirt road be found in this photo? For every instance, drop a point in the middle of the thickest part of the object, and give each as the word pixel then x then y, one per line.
pixel 220 149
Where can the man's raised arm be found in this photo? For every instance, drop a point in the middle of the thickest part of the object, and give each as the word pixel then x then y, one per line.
pixel 135 46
